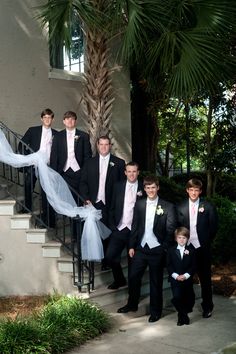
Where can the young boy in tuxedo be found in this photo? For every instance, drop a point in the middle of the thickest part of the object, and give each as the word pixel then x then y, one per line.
pixel 181 267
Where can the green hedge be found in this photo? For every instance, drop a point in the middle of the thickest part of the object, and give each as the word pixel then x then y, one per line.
pixel 224 245
pixel 62 324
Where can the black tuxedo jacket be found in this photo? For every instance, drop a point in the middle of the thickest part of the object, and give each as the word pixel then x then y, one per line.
pixel 180 266
pixel 163 225
pixel 32 138
pixel 117 203
pixel 89 182
pixel 207 220
pixel 59 150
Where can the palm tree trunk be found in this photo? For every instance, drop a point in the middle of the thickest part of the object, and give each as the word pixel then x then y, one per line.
pixel 98 88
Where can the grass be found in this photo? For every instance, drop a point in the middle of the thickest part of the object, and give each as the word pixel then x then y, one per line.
pixel 63 323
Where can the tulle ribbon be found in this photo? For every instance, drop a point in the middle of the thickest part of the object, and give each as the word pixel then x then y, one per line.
pixel 60 198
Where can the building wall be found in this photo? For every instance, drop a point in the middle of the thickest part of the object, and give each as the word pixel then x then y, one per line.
pixel 27 86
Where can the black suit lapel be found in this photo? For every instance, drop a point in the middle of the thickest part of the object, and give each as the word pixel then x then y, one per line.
pixel 121 195
pixel 186 213
pixel 143 214
pixel 36 143
pixel 157 217
pixel 111 164
pixel 177 252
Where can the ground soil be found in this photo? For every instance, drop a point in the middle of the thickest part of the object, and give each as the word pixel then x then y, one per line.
pixel 223 279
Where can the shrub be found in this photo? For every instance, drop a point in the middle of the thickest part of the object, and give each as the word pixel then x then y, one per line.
pixel 62 324
pixel 224 245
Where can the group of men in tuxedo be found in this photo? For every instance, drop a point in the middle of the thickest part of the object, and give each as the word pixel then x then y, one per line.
pixel 140 221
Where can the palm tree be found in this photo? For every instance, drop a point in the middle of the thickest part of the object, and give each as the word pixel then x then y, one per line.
pixel 177 43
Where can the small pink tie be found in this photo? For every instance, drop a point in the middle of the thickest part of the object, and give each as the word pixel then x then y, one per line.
pixel 193 210
pixel 130 193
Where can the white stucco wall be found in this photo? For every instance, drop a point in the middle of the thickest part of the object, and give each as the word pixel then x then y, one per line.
pixel 25 86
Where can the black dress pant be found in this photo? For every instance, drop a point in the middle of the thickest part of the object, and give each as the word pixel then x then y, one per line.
pixel 118 242
pixel 183 295
pixel 154 259
pixel 72 178
pixel 47 212
pixel 203 263
pixel 101 206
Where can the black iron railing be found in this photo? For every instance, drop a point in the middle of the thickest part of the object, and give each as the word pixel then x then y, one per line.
pixel 66 230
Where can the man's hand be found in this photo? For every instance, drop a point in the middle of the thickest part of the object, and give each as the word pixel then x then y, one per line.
pixel 87 202
pixel 131 252
pixel 181 277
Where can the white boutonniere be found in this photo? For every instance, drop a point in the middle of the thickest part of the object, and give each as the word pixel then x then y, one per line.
pixel 76 138
pixel 201 209
pixel 139 194
pixel 159 210
pixel 186 252
pixel 111 164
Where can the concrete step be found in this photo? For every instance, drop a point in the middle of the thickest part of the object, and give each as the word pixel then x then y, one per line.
pixel 7 207
pixel 38 236
pixel 52 249
pixel 105 297
pixel 65 264
pixel 21 221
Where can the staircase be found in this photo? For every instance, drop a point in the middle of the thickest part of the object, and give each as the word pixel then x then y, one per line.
pixel 32 263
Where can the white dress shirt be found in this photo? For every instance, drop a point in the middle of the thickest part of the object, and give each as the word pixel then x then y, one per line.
pixel 46 142
pixel 103 166
pixel 149 237
pixel 71 161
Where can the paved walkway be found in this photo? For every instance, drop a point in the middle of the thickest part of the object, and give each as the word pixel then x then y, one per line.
pixel 136 336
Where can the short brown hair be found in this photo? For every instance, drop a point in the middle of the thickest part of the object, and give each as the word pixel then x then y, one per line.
pixel 70 114
pixel 183 231
pixel 132 163
pixel 47 112
pixel 194 183
pixel 103 137
pixel 150 180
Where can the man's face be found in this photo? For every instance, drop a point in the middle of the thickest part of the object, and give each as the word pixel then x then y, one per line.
pixel 103 147
pixel 131 173
pixel 151 190
pixel 47 120
pixel 181 240
pixel 194 193
pixel 69 123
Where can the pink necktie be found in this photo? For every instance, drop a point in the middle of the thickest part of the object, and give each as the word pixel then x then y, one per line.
pixel 192 210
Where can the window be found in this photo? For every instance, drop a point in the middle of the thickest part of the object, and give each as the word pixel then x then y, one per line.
pixel 74 59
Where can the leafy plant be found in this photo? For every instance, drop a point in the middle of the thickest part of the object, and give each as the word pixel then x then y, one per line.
pixel 62 324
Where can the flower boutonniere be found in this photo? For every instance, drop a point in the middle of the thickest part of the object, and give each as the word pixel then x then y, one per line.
pixel 111 164
pixel 76 138
pixel 159 210
pixel 139 194
pixel 186 252
pixel 201 208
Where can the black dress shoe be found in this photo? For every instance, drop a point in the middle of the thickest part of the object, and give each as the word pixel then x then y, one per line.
pixel 126 309
pixel 104 268
pixel 180 322
pixel 115 285
pixel 154 318
pixel 206 314
pixel 186 320
pixel 183 319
